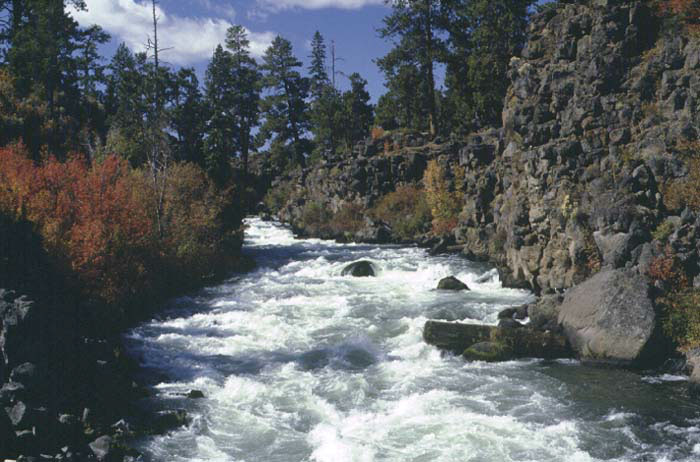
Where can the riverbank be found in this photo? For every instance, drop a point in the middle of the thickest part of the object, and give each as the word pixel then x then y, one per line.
pixel 68 389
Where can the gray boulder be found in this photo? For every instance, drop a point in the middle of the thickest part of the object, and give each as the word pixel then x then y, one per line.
pixel 452 283
pixel 610 318
pixel 359 269
pixel 693 359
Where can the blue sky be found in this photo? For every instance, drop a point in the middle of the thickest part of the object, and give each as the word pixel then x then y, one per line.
pixel 194 28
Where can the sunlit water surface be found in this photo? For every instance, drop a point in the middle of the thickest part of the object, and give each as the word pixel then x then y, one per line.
pixel 301 364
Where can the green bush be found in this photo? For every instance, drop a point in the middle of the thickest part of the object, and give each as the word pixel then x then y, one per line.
pixel 663 231
pixel 681 317
pixel 316 218
pixel 277 197
pixel 350 218
pixel 406 210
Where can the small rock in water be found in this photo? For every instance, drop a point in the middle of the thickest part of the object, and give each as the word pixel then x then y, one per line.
pixel 101 447
pixel 359 269
pixel 452 283
pixel 195 394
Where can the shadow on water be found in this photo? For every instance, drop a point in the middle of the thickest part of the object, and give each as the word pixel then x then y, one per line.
pixel 178 365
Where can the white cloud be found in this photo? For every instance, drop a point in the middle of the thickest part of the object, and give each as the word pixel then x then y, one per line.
pixel 191 39
pixel 277 5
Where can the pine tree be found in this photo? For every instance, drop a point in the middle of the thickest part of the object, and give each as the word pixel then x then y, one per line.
pixel 187 116
pixel 415 27
pixel 285 110
pixel 358 112
pixel 221 124
pixel 317 69
pixel 245 83
pixel 483 36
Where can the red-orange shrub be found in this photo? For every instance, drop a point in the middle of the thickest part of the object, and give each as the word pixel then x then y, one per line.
pixel 88 216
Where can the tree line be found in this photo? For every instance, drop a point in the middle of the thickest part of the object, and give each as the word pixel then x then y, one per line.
pixel 58 95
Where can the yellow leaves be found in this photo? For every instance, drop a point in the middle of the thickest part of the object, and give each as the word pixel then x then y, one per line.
pixel 443 201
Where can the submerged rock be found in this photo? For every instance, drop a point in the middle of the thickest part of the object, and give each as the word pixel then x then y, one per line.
pixel 359 269
pixel 195 394
pixel 487 351
pixel 452 283
pixel 610 318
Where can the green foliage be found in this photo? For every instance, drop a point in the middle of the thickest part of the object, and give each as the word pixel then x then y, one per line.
pixel 350 218
pixel 277 196
pixel 681 317
pixel 663 231
pixel 409 67
pixel 483 35
pixel 406 210
pixel 286 116
pixel 316 218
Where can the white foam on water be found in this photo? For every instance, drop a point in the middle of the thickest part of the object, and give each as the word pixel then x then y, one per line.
pixel 298 363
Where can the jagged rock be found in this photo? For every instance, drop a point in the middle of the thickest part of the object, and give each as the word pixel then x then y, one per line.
pixel 610 318
pixel 451 283
pixel 359 269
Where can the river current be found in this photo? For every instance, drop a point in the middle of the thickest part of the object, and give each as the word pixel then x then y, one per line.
pixel 298 363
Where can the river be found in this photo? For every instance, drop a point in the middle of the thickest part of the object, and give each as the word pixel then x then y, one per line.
pixel 298 363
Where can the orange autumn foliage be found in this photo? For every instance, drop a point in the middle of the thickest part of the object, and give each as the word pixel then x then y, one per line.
pixel 88 217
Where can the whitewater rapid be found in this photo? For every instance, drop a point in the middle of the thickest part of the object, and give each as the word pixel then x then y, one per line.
pixel 299 363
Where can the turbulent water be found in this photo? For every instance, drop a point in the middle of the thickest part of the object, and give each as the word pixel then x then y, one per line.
pixel 301 364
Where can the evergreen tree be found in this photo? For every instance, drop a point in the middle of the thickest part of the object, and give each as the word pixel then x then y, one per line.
pixel 187 115
pixel 357 112
pixel 246 85
pixel 483 36
pixel 317 69
pixel 126 104
pixel 221 124
pixel 326 113
pixel 415 27
pixel 285 110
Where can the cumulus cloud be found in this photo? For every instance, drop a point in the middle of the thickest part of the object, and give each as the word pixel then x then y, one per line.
pixel 190 39
pixel 276 5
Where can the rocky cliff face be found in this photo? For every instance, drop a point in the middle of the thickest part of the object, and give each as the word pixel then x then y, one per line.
pixel 600 105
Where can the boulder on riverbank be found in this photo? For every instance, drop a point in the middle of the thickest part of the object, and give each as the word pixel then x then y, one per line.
pixel 359 269
pixel 488 343
pixel 693 361
pixel 610 319
pixel 452 283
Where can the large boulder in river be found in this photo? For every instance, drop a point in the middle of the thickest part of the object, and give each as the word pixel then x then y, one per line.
pixel 489 343
pixel 451 283
pixel 610 318
pixel 455 337
pixel 359 269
